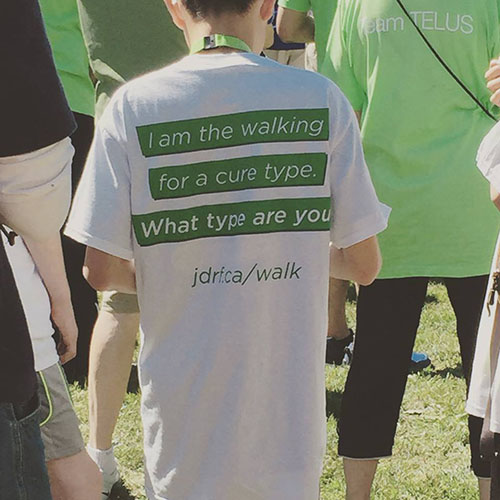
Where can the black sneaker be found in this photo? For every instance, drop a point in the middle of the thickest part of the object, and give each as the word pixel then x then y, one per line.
pixel 119 492
pixel 336 349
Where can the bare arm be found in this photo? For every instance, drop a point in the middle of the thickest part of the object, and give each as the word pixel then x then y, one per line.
pixel 360 263
pixel 105 272
pixel 495 197
pixel 48 257
pixel 295 26
pixel 493 81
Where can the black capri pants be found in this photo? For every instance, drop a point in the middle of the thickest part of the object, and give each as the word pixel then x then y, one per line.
pixel 388 316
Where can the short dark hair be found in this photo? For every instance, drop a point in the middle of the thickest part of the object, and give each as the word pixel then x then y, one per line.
pixel 204 8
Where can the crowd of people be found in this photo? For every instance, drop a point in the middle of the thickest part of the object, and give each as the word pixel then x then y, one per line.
pixel 232 166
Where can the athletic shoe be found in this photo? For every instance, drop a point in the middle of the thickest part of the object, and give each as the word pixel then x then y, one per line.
pixel 336 349
pixel 109 482
pixel 419 361
pixel 338 356
pixel 119 492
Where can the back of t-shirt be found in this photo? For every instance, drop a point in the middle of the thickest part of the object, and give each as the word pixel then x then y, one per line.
pixel 125 39
pixel 62 23
pixel 225 177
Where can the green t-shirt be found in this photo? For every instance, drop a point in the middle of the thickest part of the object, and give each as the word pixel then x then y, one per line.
pixel 127 38
pixel 323 11
pixel 420 130
pixel 63 30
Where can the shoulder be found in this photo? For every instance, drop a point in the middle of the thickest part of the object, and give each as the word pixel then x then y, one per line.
pixel 307 81
pixel 139 92
pixel 140 86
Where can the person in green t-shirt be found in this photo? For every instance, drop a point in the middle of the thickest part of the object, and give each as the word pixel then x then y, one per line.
pixel 420 132
pixel 295 24
pixel 124 38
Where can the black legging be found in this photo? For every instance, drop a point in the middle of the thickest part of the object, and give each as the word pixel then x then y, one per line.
pixel 495 470
pixel 388 316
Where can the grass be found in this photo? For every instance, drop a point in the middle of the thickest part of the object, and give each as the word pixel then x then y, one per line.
pixel 431 456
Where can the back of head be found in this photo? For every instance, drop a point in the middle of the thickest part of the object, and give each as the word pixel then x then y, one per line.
pixel 203 8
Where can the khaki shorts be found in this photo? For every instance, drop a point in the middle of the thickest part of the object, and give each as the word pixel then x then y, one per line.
pixel 295 58
pixel 120 303
pixel 59 424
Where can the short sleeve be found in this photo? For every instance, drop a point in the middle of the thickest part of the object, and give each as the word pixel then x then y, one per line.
pixel 337 64
pixel 357 214
pixel 488 157
pixel 101 212
pixel 299 5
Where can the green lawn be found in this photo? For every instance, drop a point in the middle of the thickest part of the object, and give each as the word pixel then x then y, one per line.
pixel 431 460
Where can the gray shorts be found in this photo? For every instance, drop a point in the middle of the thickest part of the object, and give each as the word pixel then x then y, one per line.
pixel 58 421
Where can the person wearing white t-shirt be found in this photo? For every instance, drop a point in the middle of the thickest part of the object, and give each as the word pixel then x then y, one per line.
pixel 223 185
pixel 72 473
pixel 484 394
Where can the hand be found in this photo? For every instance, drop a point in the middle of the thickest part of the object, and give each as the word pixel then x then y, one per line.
pixel 48 257
pixel 64 319
pixel 493 81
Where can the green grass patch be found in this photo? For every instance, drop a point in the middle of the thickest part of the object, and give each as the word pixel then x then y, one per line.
pixel 431 456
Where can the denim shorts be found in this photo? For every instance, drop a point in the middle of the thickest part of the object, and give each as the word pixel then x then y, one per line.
pixel 22 460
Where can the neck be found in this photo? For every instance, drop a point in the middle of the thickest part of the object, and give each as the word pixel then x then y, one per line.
pixel 237 26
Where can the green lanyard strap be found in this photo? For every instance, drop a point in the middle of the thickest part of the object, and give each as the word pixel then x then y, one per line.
pixel 215 41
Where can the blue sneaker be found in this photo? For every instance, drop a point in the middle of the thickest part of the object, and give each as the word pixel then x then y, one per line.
pixel 419 361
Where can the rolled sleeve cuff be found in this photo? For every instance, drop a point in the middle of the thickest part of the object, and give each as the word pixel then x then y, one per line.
pixel 370 226
pixel 98 243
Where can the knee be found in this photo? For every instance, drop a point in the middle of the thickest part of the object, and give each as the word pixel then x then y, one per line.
pixel 113 325
pixel 76 477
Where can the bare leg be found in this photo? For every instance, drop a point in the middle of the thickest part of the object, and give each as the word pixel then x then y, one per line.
pixel 111 353
pixel 484 489
pixel 359 475
pixel 74 478
pixel 337 297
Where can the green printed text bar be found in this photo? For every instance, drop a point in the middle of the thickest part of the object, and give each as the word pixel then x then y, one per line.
pixel 307 169
pixel 232 219
pixel 253 127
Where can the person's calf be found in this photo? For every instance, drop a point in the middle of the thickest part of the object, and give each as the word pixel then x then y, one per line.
pixel 337 297
pixel 359 475
pixel 75 478
pixel 484 489
pixel 111 354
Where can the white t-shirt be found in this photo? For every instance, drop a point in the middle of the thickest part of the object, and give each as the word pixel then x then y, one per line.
pixel 36 303
pixel 484 391
pixel 217 175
